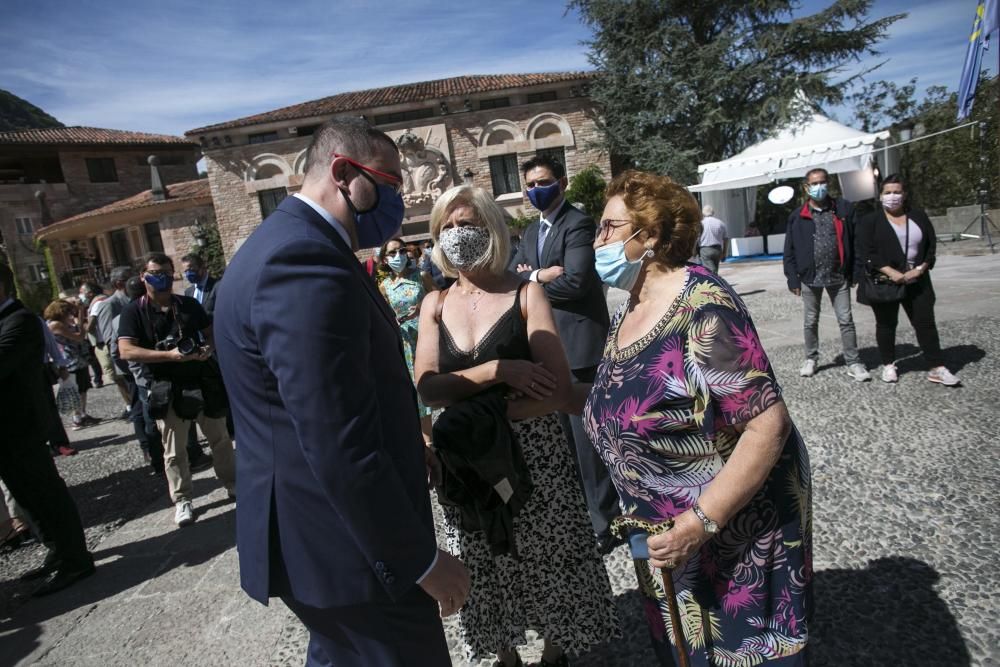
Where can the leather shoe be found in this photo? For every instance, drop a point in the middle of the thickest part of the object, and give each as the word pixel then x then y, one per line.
pixel 63 578
pixel 40 572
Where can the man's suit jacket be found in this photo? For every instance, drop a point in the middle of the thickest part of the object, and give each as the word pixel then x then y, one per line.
pixel 330 466
pixel 208 302
pixel 577 296
pixel 22 381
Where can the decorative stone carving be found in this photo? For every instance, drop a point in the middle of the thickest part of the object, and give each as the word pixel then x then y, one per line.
pixel 426 169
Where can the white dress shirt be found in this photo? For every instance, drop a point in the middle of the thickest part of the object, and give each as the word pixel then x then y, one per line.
pixel 326 215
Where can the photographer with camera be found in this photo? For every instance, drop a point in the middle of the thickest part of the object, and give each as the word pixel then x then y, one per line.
pixel 170 337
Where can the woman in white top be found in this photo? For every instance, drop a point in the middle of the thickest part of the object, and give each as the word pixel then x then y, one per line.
pixel 899 242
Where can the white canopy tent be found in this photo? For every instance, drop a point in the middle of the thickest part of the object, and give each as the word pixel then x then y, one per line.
pixel 730 186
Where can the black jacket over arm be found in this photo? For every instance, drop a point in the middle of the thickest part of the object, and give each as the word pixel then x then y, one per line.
pixel 878 245
pixel 484 473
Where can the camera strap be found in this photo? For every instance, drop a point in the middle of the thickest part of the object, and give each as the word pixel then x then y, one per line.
pixel 146 309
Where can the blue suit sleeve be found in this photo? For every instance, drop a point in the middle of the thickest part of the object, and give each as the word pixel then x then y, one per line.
pixel 313 321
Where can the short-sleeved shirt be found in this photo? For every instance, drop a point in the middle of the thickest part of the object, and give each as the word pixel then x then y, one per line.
pixel 660 414
pixel 146 323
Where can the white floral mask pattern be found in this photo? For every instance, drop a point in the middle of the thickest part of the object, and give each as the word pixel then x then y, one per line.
pixel 465 247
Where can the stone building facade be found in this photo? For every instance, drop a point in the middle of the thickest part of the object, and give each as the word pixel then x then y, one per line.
pixel 47 175
pixel 170 220
pixel 475 129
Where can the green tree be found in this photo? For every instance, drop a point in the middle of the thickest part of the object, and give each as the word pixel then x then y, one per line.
pixel 20 114
pixel 587 188
pixel 206 237
pixel 683 82
pixel 942 170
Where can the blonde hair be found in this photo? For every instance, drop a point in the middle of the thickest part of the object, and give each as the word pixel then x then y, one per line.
pixel 485 211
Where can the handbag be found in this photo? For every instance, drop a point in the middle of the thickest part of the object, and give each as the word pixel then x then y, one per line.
pixel 879 288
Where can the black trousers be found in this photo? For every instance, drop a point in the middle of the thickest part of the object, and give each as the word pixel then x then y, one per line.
pixel 57 432
pixel 918 302
pixel 406 633
pixel 602 498
pixel 29 472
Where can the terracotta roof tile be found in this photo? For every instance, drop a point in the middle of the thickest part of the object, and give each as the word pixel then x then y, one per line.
pixel 175 192
pixel 389 95
pixel 87 136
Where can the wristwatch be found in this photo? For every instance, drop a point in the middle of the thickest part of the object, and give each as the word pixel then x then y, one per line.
pixel 710 526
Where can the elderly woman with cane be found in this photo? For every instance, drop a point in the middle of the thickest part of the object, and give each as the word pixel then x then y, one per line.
pixel 687 414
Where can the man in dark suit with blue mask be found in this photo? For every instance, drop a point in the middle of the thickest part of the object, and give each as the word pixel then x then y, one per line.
pixel 334 515
pixel 557 251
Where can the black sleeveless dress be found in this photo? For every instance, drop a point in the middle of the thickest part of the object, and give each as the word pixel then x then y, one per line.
pixel 559 587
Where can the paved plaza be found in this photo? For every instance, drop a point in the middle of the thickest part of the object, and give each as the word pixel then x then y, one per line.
pixel 905 516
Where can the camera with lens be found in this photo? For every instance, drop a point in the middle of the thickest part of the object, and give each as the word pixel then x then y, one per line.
pixel 186 345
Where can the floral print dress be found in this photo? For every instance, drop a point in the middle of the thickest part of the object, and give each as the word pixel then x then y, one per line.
pixel 661 414
pixel 404 293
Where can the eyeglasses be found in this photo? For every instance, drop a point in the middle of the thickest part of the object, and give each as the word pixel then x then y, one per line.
pixel 607 226
pixel 395 182
pixel 397 251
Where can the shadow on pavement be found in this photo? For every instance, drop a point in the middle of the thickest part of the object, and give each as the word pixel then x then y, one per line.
pixel 885 614
pixel 909 358
pixel 119 569
pixel 104 441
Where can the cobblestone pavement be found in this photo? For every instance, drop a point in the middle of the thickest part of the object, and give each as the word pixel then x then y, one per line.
pixel 905 497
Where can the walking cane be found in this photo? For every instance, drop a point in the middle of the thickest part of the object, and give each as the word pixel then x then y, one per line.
pixel 635 529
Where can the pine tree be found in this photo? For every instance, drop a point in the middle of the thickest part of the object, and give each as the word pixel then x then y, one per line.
pixel 682 82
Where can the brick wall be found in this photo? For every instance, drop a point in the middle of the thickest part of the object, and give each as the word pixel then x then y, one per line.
pixel 176 230
pixel 579 113
pixel 237 211
pixel 237 207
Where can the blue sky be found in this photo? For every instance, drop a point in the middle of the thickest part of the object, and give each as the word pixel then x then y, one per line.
pixel 173 65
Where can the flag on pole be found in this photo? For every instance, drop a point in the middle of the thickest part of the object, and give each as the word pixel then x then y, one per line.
pixel 973 59
pixel 991 18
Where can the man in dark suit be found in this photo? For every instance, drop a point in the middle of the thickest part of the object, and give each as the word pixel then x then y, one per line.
pixel 201 288
pixel 333 515
pixel 558 252
pixel 25 464
pixel 201 283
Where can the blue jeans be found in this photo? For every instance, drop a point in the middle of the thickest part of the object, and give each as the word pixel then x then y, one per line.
pixel 840 297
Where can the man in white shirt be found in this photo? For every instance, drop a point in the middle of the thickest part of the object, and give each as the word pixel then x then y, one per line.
pixel 713 241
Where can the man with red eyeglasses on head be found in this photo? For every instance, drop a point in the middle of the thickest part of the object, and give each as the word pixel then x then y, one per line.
pixel 333 515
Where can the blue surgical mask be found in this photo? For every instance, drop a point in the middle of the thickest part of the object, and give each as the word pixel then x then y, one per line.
pixel 399 263
pixel 543 196
pixel 615 268
pixel 817 192
pixel 159 283
pixel 383 220
pixel 191 276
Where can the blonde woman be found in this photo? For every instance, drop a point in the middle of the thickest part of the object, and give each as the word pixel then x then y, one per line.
pixel 493 331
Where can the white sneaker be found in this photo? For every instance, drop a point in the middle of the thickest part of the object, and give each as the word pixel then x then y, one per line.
pixel 942 375
pixel 889 373
pixel 859 372
pixel 808 368
pixel 184 514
